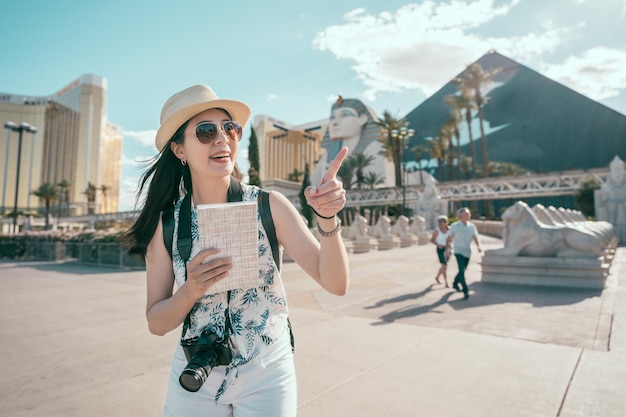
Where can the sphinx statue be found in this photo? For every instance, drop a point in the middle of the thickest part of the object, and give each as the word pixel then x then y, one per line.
pixel 525 235
pixel 601 230
pixel 382 232
pixel 358 234
pixel 418 228
pixel 353 124
pixel 401 230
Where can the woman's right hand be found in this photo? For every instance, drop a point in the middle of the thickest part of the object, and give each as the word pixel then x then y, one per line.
pixel 203 275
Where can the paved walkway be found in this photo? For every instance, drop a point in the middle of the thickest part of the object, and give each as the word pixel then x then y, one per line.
pixel 74 342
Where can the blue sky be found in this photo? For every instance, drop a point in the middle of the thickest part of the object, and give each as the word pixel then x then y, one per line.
pixel 290 60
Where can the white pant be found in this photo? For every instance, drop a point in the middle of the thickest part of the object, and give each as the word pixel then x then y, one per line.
pixel 265 386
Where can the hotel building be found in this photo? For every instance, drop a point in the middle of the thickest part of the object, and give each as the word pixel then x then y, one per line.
pixel 284 148
pixel 74 144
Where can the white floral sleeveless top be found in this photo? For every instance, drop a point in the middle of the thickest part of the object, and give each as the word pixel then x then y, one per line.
pixel 258 316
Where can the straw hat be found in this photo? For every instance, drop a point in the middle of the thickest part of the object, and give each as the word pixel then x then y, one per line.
pixel 185 104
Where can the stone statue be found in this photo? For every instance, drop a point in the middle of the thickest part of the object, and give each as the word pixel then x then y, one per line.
pixel 358 234
pixel 401 230
pixel 382 232
pixel 418 228
pixel 610 200
pixel 525 235
pixel 429 204
pixel 353 124
pixel 602 230
pixel 358 228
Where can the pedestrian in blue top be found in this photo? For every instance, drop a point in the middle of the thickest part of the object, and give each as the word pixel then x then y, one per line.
pixel 462 232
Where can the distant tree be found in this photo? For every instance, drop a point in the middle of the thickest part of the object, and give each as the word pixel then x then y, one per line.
pixel 463 100
pixel 103 189
pixel 307 212
pixel 47 192
pixel 456 103
pixel 90 192
pixel 361 161
pixel 253 159
pixel 465 164
pixel 506 169
pixel 438 149
pixel 584 197
pixel 294 175
pixel 346 172
pixel 419 152
pixel 64 187
pixel 392 144
pixel 372 179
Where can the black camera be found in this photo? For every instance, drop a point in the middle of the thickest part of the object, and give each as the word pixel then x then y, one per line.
pixel 203 354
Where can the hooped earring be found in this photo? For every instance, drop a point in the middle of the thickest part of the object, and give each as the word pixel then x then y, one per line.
pixel 183 162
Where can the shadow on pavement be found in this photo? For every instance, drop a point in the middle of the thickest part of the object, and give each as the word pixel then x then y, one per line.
pixel 483 294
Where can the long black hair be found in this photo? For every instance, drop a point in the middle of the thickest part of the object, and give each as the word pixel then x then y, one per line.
pixel 166 176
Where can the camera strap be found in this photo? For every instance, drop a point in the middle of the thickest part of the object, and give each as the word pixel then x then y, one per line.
pixel 184 241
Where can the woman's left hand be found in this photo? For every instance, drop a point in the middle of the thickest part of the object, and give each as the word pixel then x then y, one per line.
pixel 328 197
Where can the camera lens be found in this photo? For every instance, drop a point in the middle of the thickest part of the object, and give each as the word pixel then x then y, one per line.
pixel 192 379
pixel 198 369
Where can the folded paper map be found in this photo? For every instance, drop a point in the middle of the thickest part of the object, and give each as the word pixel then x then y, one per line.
pixel 232 228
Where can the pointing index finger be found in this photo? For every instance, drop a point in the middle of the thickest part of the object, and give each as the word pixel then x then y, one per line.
pixel 334 166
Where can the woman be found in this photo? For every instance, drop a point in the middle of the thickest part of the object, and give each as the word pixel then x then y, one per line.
pixel 440 239
pixel 198 145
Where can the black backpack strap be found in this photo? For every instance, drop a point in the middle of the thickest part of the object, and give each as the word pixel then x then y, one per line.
pixel 184 228
pixel 167 220
pixel 268 224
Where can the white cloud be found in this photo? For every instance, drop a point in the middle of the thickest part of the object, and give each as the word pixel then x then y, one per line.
pixel 144 137
pixel 422 46
pixel 598 73
pixel 138 160
pixel 128 192
pixel 271 97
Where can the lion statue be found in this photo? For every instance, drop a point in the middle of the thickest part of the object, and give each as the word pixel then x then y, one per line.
pixel 401 227
pixel 525 235
pixel 358 228
pixel 382 227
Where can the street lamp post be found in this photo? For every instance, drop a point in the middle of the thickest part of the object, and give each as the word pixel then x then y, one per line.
pixel 20 129
pixel 402 134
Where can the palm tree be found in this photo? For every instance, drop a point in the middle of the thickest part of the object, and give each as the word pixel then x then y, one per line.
pixel 103 190
pixel 392 144
pixel 447 133
pixel 372 179
pixel 419 152
pixel 506 169
pixel 294 175
pixel 346 173
pixel 465 103
pixel 90 192
pixel 464 164
pixel 456 103
pixel 475 79
pixel 47 192
pixel 64 186
pixel 361 161
pixel 437 149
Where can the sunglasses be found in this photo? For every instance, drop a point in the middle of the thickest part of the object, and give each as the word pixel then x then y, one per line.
pixel 207 132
